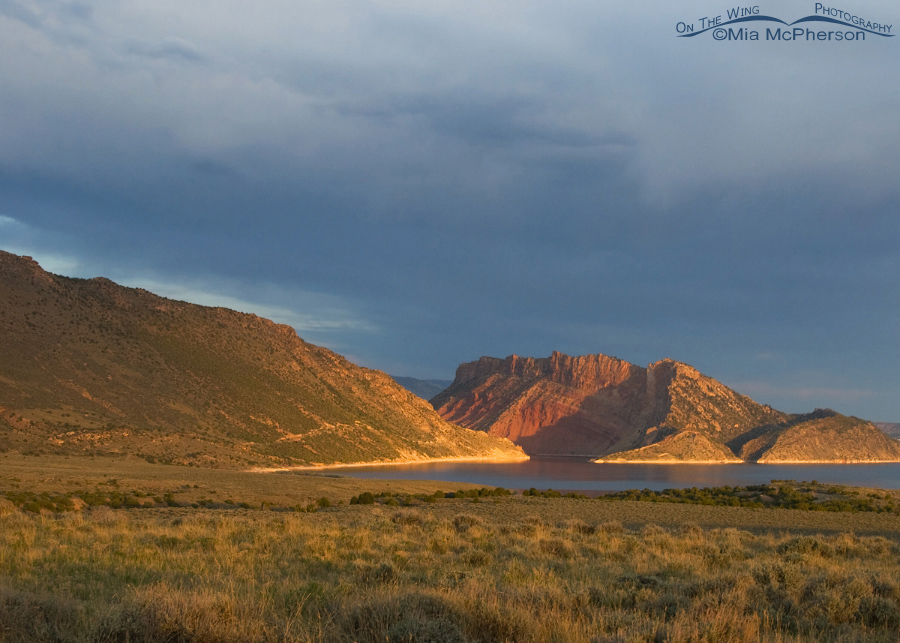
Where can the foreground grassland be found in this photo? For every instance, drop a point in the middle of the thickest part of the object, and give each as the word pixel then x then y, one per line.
pixel 501 569
pixel 399 565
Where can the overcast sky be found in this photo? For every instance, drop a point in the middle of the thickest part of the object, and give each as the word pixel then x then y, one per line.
pixel 418 183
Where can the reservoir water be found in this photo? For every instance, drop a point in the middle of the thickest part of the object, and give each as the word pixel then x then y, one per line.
pixel 579 474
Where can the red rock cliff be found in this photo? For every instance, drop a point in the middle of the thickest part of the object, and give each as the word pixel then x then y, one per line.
pixel 592 404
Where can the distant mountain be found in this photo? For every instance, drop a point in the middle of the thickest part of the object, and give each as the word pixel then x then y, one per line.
pixel 594 404
pixel 891 429
pixel 87 366
pixel 605 407
pixel 426 389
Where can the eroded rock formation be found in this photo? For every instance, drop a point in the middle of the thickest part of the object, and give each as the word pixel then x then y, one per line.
pixel 597 405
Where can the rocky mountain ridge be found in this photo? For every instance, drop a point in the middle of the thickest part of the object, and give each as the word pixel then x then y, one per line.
pixel 91 367
pixel 608 408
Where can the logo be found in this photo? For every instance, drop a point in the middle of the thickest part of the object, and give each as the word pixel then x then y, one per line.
pixel 737 24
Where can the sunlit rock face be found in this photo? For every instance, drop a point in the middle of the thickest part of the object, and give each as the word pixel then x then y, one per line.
pixel 596 405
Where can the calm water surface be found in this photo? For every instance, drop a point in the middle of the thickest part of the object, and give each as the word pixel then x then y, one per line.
pixel 579 474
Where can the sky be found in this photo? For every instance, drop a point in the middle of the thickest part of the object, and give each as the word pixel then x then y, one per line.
pixel 417 184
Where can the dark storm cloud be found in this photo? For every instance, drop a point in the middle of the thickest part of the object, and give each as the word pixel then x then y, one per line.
pixel 493 122
pixel 17 11
pixel 417 185
pixel 172 49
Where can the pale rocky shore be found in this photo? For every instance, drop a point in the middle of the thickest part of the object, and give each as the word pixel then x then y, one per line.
pixel 344 465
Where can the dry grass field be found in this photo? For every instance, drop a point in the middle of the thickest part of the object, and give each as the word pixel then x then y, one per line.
pixel 496 569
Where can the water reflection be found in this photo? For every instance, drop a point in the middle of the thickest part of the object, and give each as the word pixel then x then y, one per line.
pixel 579 474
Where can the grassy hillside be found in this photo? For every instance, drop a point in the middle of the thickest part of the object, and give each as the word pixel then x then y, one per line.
pixel 90 367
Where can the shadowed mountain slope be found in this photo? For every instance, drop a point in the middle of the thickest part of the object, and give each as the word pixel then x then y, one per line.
pixel 598 405
pixel 87 366
pixel 890 429
pixel 426 389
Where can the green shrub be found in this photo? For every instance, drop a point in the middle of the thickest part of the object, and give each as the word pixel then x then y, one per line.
pixel 464 522
pixel 413 617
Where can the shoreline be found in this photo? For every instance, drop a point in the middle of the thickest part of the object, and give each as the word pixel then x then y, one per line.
pixel 827 462
pixel 773 462
pixel 325 467
pixel 598 461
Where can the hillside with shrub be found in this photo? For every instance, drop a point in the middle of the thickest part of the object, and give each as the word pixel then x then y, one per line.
pixel 91 367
